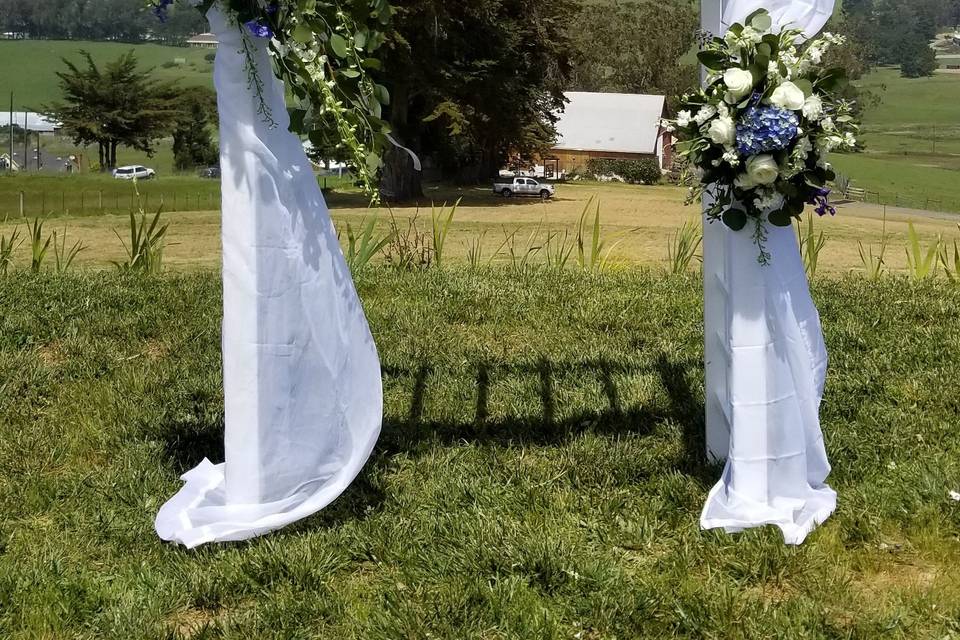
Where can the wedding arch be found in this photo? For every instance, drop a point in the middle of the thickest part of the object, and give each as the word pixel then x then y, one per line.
pixel 302 386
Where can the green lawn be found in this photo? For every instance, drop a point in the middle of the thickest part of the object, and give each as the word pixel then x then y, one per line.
pixel 31 66
pixel 540 472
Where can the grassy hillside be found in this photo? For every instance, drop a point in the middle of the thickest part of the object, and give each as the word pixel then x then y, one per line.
pixel 30 66
pixel 913 140
pixel 540 473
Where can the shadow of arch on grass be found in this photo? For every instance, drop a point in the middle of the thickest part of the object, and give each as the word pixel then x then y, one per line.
pixel 186 443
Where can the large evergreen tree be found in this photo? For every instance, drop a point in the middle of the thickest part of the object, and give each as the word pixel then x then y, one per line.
pixel 635 46
pixel 472 82
pixel 117 105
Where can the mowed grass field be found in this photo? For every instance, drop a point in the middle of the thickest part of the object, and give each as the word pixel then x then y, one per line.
pixel 912 141
pixel 30 66
pixel 639 221
pixel 540 472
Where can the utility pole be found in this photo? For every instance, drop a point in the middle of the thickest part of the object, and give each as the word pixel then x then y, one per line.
pixel 11 132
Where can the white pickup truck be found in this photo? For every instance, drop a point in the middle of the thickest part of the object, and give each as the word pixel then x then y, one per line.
pixel 509 187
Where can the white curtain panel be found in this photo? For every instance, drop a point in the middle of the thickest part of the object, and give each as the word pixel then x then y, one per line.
pixel 302 385
pixel 775 361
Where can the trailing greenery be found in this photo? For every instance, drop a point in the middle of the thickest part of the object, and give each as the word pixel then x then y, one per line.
pixel 644 171
pixel 540 472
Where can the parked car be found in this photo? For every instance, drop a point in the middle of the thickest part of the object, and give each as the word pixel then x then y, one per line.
pixel 210 172
pixel 524 187
pixel 134 172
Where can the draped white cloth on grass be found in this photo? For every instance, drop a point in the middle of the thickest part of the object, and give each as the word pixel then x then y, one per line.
pixel 773 360
pixel 303 395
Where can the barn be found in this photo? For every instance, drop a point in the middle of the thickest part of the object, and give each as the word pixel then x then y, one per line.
pixel 620 126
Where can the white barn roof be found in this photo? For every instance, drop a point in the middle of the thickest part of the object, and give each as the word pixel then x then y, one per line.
pixel 35 121
pixel 613 122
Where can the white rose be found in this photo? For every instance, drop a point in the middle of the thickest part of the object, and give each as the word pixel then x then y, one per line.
pixel 762 170
pixel 723 131
pixel 813 108
pixel 683 119
pixel 789 96
pixel 738 81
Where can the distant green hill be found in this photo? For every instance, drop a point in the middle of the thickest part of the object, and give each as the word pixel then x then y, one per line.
pixel 30 66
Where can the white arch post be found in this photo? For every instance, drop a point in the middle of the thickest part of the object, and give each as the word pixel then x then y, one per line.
pixel 764 354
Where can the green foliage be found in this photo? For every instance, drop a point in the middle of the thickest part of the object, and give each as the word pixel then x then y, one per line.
pixel 7 246
pixel 440 223
pixel 951 261
pixel 147 241
pixel 593 255
pixel 193 144
pixel 921 263
pixel 362 248
pixel 634 47
pixel 540 473
pixel 644 171
pixel 39 245
pixel 473 82
pixel 116 105
pixel 683 246
pixel 917 59
pixel 811 244
pixel 874 264
pixel 64 257
pixel 521 253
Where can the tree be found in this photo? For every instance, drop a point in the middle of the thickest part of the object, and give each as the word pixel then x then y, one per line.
pixel 119 105
pixel 917 58
pixel 470 82
pixel 192 142
pixel 635 46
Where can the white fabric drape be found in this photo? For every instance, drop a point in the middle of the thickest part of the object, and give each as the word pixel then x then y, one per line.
pixel 808 15
pixel 303 395
pixel 774 363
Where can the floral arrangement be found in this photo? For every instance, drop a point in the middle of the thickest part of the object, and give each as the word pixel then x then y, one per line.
pixel 325 52
pixel 759 133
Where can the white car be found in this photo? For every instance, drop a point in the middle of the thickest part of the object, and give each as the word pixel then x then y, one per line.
pixel 134 172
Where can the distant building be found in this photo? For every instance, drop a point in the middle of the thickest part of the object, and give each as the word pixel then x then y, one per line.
pixel 203 41
pixel 620 126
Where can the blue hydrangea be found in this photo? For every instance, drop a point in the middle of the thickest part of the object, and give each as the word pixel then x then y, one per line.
pixel 763 129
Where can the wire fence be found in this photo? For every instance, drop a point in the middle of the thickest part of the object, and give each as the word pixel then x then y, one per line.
pixel 906 201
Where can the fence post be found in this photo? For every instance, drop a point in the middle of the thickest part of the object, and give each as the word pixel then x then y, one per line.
pixel 21 205
pixel 63 202
pixel 101 200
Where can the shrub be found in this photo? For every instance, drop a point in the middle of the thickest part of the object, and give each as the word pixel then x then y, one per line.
pixel 645 171
pixel 210 57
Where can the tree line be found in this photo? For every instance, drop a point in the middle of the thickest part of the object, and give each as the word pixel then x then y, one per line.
pixel 119 20
pixel 472 82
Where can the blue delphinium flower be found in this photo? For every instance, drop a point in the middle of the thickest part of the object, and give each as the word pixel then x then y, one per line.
pixel 763 129
pixel 259 29
pixel 160 9
pixel 820 198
